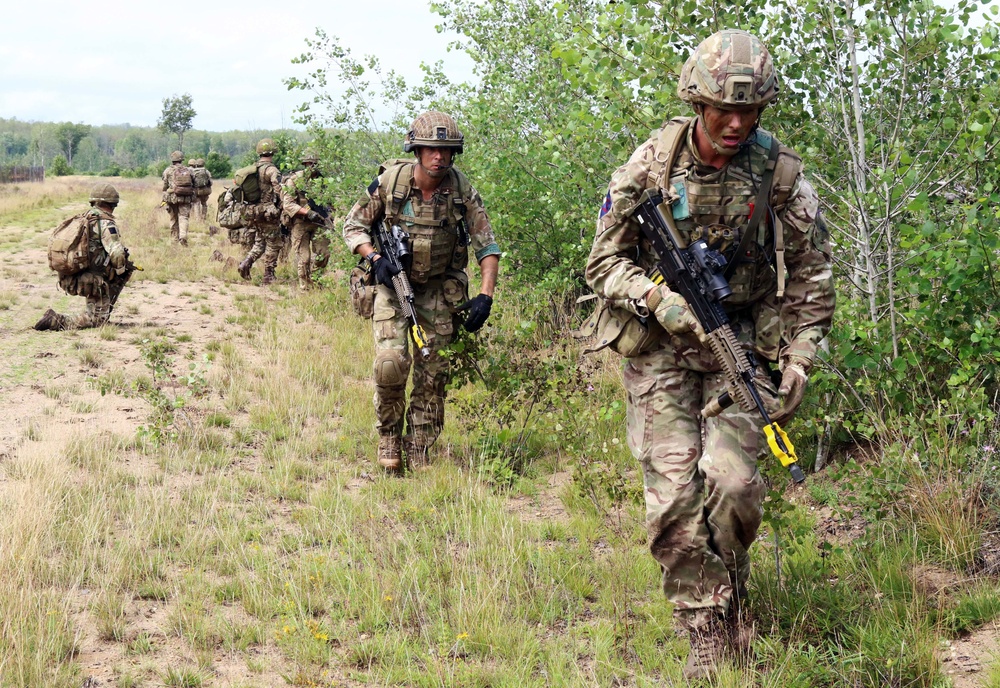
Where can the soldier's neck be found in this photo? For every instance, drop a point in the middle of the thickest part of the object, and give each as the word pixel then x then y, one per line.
pixel 427 184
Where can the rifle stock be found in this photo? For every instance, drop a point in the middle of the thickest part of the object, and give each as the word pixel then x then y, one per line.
pixel 695 272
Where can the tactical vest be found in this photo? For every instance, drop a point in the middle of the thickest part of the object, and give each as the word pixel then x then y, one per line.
pixel 266 190
pixel 98 255
pixel 438 235
pixel 717 206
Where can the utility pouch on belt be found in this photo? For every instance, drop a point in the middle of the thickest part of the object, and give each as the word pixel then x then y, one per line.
pixel 619 329
pixel 362 287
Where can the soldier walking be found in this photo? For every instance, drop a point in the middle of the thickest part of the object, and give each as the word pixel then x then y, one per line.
pixel 263 217
pixel 178 193
pixel 108 268
pixel 445 218
pixel 303 220
pixel 704 499
pixel 202 180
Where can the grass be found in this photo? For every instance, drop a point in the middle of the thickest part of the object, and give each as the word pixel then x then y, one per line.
pixel 256 529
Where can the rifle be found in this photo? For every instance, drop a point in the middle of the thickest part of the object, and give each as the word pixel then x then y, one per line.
pixel 393 245
pixel 118 282
pixel 696 273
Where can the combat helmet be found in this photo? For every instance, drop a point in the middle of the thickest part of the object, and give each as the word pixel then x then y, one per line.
pixel 192 162
pixel 104 193
pixel 434 130
pixel 266 147
pixel 176 156
pixel 200 162
pixel 729 69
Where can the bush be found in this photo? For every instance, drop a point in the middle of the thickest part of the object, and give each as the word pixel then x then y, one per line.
pixel 112 170
pixel 59 167
pixel 156 168
pixel 136 172
pixel 219 165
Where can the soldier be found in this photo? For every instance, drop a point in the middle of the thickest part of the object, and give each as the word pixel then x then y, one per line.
pixel 301 218
pixel 202 180
pixel 704 498
pixel 109 270
pixel 444 215
pixel 178 192
pixel 265 215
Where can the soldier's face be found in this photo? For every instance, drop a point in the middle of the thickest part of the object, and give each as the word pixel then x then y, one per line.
pixel 729 128
pixel 436 161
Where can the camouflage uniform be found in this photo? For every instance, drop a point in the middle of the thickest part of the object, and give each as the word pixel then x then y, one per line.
pixel 202 192
pixel 265 225
pixel 178 206
pixel 100 284
pixel 440 283
pixel 303 232
pixel 702 488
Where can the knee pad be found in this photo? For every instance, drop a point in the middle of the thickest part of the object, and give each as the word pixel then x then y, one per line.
pixel 391 368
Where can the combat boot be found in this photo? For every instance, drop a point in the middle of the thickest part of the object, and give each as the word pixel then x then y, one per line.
pixel 416 452
pixel 51 321
pixel 268 276
pixel 708 649
pixel 183 242
pixel 244 268
pixel 390 456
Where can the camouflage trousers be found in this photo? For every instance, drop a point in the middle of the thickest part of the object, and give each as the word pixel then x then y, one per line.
pixel 180 214
pixel 435 304
pixel 267 243
pixel 703 491
pixel 309 249
pixel 200 206
pixel 95 313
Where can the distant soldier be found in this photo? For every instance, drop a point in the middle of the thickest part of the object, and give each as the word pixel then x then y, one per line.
pixel 107 266
pixel 178 192
pixel 264 215
pixel 202 179
pixel 304 218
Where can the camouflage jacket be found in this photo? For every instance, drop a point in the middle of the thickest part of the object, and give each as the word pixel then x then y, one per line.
pixel 371 207
pixel 294 199
pixel 106 248
pixel 168 186
pixel 619 261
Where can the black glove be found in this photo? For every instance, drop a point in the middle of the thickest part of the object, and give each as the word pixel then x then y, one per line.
pixel 479 310
pixel 383 269
pixel 314 217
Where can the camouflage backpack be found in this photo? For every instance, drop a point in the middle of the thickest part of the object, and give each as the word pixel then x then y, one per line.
pixel 69 246
pixel 247 180
pixel 201 178
pixel 230 210
pixel 182 183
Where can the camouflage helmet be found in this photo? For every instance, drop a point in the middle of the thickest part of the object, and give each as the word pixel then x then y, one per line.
pixel 200 162
pixel 104 193
pixel 308 156
pixel 192 162
pixel 729 69
pixel 176 156
pixel 266 147
pixel 434 130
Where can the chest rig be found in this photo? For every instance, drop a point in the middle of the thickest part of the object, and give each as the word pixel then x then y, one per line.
pixel 439 238
pixel 731 208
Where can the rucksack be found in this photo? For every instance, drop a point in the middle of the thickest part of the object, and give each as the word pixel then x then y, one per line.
pixel 247 180
pixel 230 212
pixel 69 246
pixel 201 178
pixel 183 184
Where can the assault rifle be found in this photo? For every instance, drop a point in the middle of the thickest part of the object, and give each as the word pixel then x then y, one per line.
pixel 394 245
pixel 696 273
pixel 322 210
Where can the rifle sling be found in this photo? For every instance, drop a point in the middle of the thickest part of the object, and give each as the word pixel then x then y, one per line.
pixel 759 208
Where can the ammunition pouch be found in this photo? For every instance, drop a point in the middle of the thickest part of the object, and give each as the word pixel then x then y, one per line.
pixel 619 329
pixel 362 286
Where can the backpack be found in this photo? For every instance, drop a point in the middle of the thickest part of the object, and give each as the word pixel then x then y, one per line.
pixel 230 210
pixel 247 180
pixel 69 246
pixel 201 178
pixel 182 182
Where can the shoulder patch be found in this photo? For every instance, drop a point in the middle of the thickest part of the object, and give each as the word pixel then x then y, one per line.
pixel 373 187
pixel 113 229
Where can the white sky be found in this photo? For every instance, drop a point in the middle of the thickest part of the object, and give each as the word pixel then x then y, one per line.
pixel 113 61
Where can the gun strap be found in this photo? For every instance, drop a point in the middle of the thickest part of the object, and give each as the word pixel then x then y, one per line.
pixel 759 209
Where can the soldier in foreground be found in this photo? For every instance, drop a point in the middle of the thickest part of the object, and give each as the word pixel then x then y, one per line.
pixel 178 193
pixel 264 215
pixel 202 180
pixel 704 499
pixel 107 267
pixel 300 215
pixel 444 218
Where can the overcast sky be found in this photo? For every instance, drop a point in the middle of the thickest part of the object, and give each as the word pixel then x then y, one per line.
pixel 113 61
